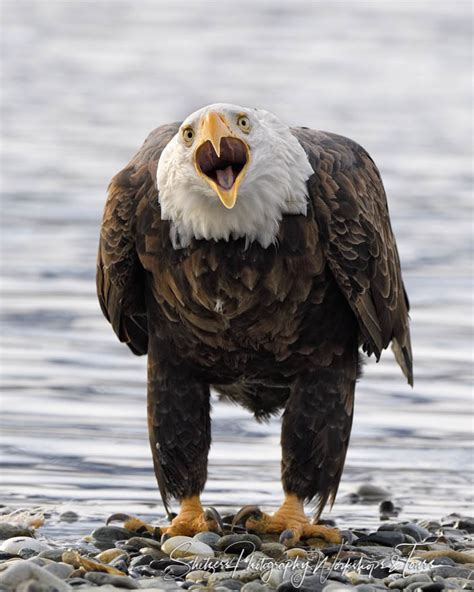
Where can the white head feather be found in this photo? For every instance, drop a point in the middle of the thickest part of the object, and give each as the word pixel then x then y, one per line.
pixel 274 183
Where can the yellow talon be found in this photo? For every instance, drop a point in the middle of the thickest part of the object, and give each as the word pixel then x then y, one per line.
pixel 289 521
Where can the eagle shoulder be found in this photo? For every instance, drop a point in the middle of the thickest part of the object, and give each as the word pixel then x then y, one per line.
pixel 119 273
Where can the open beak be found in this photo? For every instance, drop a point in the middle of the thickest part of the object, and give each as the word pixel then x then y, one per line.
pixel 221 158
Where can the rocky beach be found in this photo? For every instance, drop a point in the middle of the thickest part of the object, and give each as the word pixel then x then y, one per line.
pixel 419 555
pixel 85 82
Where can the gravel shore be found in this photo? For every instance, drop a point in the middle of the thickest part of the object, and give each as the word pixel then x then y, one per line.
pixel 421 555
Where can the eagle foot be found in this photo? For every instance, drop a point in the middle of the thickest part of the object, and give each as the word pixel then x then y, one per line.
pixel 192 518
pixel 191 521
pixel 134 524
pixel 289 521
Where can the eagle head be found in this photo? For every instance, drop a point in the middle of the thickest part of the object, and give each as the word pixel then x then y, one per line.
pixel 231 172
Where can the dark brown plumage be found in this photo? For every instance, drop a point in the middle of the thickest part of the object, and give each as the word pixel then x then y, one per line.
pixel 268 328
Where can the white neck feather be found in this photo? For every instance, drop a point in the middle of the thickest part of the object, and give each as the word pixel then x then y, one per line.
pixel 274 185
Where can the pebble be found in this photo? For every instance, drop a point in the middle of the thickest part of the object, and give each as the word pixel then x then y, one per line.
pixel 296 552
pixel 197 575
pixel 208 538
pixel 105 537
pixel 404 582
pixel 8 531
pixel 138 543
pixel 150 567
pixel 386 538
pixel 414 530
pixel 254 586
pixel 273 550
pixel 110 554
pixel 239 543
pixel 182 546
pixel 23 571
pixel 102 579
pixel 155 553
pixel 158 584
pixel 230 585
pixel 242 575
pixel 371 492
pixel 16 544
pixel 68 516
pixel 59 569
pixel 141 560
pixel 452 572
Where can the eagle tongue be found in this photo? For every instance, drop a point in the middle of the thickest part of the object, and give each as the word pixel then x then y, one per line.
pixel 225 177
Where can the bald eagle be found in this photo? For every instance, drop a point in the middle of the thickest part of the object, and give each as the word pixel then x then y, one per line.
pixel 256 259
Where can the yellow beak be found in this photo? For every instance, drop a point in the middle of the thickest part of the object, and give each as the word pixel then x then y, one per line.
pixel 214 127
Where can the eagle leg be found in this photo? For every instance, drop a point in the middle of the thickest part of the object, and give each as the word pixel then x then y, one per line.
pixel 289 521
pixel 179 428
pixel 315 435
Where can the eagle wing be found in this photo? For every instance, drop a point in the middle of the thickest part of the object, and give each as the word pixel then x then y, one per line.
pixel 120 276
pixel 350 206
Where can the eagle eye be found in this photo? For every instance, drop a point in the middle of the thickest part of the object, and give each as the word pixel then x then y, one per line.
pixel 188 135
pixel 244 123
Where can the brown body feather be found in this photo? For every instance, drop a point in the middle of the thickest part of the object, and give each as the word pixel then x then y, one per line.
pixel 268 328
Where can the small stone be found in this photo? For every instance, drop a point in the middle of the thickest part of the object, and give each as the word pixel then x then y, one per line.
pixel 230 585
pixel 295 552
pixel 105 537
pixel 371 492
pixel 431 525
pixel 197 575
pixel 22 571
pixel 386 538
pixel 466 524
pixel 242 575
pixel 161 564
pixel 182 546
pixel 177 571
pixel 273 550
pixel 144 571
pixel 208 538
pixel 159 583
pixel 457 556
pixel 102 579
pixel 110 554
pixel 434 587
pixel 60 570
pixel 71 557
pixel 375 551
pixel 76 581
pixel 443 561
pixel 69 516
pixel 27 553
pixel 452 572
pixel 387 508
pixel 120 564
pixel 138 543
pixel 16 544
pixel 239 543
pixel 9 531
pixel 255 586
pixel 402 583
pixel 141 560
pixel 52 554
pixel 155 553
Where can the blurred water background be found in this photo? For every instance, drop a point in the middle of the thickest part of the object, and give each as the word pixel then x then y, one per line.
pixel 83 84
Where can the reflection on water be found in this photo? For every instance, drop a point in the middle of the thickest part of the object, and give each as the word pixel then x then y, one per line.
pixel 85 87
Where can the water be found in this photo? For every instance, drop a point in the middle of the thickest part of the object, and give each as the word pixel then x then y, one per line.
pixel 84 82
